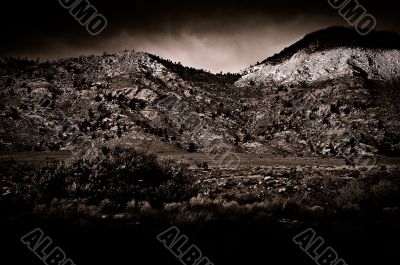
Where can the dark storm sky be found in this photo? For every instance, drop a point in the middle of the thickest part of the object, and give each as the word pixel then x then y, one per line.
pixel 214 35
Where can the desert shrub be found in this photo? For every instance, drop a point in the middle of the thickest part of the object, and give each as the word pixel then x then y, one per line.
pixel 321 190
pixel 125 175
pixel 24 185
pixel 68 209
pixel 177 185
pixel 31 183
pixel 13 113
pixel 352 193
pixel 386 192
pixel 192 148
pixel 377 190
pixel 203 165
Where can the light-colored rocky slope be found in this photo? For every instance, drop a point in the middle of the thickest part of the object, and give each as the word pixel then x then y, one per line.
pixel 305 68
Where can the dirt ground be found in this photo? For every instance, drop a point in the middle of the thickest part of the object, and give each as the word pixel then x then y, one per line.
pixel 213 160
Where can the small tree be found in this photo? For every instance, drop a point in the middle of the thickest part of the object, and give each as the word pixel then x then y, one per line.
pixel 192 148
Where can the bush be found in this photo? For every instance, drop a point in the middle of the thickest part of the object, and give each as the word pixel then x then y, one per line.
pixel 386 192
pixel 354 192
pixel 124 176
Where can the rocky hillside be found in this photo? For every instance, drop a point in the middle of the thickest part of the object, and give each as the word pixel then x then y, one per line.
pixel 332 93
pixel 127 97
pixel 331 54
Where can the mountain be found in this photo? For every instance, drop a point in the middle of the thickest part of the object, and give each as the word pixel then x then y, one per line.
pixel 330 86
pixel 328 54
pixel 332 93
pixel 335 37
pixel 126 97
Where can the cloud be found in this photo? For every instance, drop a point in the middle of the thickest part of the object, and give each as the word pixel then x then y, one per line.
pixel 214 35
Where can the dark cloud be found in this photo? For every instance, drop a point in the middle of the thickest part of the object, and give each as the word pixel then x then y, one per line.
pixel 215 35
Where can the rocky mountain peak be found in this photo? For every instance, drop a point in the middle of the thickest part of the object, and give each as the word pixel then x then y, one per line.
pixel 329 54
pixel 337 37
